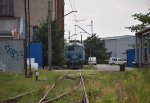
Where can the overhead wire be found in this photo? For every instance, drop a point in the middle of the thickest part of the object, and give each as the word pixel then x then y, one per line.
pixel 75 18
pixel 73 13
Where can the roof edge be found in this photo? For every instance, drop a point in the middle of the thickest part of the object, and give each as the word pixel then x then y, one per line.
pixel 143 31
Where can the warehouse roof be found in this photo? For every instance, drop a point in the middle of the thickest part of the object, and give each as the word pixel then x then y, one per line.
pixel 118 37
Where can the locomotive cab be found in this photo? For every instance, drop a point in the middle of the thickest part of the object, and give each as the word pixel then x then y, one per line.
pixel 75 55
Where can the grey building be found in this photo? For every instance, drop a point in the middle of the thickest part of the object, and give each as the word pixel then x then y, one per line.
pixel 119 44
pixel 12 16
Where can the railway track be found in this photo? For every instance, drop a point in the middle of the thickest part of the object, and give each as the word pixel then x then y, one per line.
pixel 79 85
pixel 76 83
pixel 15 99
pixel 50 88
pixel 85 96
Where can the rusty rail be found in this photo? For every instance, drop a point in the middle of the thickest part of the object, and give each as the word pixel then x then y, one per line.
pixel 14 99
pixel 50 88
pixel 63 94
pixel 85 96
pixel 44 98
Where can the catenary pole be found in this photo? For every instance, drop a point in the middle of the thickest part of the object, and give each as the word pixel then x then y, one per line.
pixel 89 34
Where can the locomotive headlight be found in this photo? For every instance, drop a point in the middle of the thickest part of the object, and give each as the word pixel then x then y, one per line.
pixel 81 59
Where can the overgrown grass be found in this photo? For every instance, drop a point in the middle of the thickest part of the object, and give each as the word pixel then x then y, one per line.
pixel 13 84
pixel 119 87
pixel 89 67
pixel 102 87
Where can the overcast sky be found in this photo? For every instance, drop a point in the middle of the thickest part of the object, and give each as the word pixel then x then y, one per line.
pixel 110 17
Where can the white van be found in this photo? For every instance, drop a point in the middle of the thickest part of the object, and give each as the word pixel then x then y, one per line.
pixel 92 60
pixel 117 61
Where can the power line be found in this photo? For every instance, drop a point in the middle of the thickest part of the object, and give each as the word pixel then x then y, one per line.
pixel 70 4
pixel 72 8
pixel 74 4
pixel 74 15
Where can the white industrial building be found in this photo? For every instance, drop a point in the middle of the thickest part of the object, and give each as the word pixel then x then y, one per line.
pixel 119 44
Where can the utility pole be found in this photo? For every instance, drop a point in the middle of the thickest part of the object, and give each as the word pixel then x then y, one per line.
pixel 81 38
pixel 26 32
pixel 90 39
pixel 29 38
pixel 69 35
pixel 49 35
pixel 91 27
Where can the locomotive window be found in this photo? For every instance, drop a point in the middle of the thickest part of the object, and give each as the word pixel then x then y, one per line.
pixel 74 48
pixel 71 48
pixel 77 48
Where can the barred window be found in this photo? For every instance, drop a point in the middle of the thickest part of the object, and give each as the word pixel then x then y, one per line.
pixel 6 8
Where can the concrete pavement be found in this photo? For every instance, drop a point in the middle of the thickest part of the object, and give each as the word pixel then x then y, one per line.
pixel 107 67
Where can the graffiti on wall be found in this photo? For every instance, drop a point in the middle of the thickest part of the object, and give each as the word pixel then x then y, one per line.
pixel 15 54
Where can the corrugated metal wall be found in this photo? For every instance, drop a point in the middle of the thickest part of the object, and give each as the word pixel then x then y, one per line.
pixel 12 55
pixel 111 46
pixel 119 46
pixel 123 45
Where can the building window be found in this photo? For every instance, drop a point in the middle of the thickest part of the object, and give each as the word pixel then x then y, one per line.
pixel 6 8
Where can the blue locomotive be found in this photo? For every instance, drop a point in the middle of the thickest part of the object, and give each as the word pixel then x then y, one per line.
pixel 75 54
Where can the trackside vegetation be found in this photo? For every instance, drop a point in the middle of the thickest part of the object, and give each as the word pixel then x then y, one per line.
pixel 102 87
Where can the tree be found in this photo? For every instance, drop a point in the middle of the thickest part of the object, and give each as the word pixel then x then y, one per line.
pixel 98 49
pixel 57 43
pixel 144 20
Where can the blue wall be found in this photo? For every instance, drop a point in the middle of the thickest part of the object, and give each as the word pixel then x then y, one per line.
pixel 130 57
pixel 36 52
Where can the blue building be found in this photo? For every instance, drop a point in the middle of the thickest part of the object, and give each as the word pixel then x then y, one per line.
pixel 130 57
pixel 36 52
